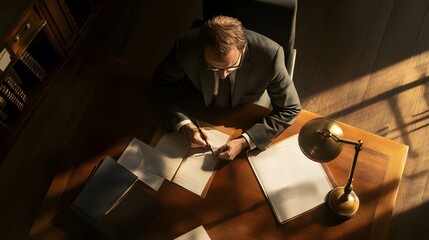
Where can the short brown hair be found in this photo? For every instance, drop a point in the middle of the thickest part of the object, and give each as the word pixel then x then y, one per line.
pixel 220 33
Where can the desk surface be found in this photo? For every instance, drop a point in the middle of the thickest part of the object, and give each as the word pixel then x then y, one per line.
pixel 235 206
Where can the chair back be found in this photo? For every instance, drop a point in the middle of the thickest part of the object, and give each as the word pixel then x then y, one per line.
pixel 275 19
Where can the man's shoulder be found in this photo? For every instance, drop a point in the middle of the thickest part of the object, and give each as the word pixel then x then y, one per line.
pixel 257 39
pixel 261 45
pixel 188 46
pixel 189 35
pixel 188 40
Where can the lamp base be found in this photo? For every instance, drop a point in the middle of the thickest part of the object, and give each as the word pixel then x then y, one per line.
pixel 345 205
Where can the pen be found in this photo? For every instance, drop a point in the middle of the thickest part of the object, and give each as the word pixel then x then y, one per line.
pixel 203 136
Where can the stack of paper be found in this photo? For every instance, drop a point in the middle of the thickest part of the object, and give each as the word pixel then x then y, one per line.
pixel 174 160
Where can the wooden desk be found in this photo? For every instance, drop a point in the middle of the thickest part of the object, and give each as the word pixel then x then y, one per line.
pixel 235 207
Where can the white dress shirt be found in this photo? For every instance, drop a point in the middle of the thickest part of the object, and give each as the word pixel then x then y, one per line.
pixel 215 93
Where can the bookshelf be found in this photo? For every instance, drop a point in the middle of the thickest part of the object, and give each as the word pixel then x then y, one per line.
pixel 33 46
pixel 28 61
pixel 67 18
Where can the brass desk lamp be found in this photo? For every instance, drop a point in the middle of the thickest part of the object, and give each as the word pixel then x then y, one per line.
pixel 321 140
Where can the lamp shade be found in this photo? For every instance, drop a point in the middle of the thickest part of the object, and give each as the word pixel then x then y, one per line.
pixel 318 139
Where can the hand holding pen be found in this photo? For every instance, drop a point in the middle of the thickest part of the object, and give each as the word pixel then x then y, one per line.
pixel 203 136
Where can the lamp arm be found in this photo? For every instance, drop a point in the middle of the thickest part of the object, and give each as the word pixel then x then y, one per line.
pixel 343 140
pixel 358 147
pixel 326 133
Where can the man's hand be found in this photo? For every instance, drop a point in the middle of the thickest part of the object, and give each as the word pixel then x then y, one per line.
pixel 194 136
pixel 232 148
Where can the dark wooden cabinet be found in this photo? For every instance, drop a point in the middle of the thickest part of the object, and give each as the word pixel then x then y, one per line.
pixel 34 44
pixel 67 18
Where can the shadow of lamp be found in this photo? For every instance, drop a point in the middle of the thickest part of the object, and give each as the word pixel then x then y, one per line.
pixel 321 140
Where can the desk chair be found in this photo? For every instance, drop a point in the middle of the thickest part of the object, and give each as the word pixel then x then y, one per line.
pixel 275 19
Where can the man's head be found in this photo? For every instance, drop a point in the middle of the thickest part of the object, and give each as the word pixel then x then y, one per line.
pixel 224 40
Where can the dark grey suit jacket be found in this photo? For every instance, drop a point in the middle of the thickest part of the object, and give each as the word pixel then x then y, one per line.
pixel 263 68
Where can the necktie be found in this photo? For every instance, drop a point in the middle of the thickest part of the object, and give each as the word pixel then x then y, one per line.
pixel 223 98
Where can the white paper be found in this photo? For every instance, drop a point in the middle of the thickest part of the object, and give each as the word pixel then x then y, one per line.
pixel 173 144
pixel 198 167
pixel 293 183
pixel 196 170
pixel 149 164
pixel 198 233
pixel 172 157
pixel 155 161
pixel 4 59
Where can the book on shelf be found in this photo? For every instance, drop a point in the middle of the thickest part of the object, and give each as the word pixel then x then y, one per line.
pixel 15 87
pixel 3 115
pixel 33 65
pixel 3 103
pixel 174 160
pixel 4 126
pixel 292 183
pixel 15 76
pixel 14 103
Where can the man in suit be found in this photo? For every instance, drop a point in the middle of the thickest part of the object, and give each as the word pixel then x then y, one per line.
pixel 230 66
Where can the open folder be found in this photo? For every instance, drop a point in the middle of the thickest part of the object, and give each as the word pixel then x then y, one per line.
pixel 174 160
pixel 293 183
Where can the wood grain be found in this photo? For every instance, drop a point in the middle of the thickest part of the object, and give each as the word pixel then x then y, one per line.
pixel 364 63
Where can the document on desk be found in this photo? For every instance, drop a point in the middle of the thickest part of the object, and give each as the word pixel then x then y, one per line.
pixel 292 183
pixel 197 233
pixel 149 164
pixel 174 160
pixel 199 164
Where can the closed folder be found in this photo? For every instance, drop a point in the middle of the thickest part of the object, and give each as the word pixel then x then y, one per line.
pixel 103 190
pixel 131 216
pixel 114 205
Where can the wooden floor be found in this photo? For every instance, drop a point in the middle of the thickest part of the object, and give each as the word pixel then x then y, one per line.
pixel 365 63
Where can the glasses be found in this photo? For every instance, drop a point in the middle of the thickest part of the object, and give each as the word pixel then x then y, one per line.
pixel 229 69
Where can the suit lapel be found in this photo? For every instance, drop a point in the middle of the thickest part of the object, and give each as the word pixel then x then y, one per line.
pixel 241 79
pixel 207 83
